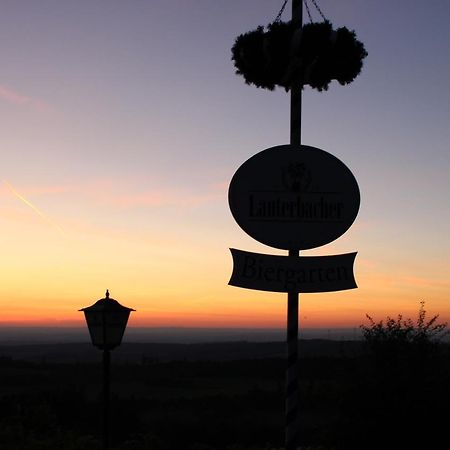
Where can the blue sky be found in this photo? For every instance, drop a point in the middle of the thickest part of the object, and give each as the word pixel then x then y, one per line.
pixel 123 122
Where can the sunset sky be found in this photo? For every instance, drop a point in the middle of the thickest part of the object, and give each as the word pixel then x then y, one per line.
pixel 122 123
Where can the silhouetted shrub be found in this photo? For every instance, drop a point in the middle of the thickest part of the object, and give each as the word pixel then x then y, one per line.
pixel 401 385
pixel 395 339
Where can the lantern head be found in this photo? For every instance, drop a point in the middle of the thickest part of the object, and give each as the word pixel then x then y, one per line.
pixel 106 320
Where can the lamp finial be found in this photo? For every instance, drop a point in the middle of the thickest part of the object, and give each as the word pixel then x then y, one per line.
pixel 107 293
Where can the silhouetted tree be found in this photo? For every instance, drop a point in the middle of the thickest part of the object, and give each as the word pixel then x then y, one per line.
pixel 401 338
pixel 404 329
pixel 405 384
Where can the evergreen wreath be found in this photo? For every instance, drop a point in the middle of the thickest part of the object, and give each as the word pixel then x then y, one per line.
pixel 284 55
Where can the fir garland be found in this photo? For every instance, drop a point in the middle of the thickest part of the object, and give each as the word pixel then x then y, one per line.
pixel 285 54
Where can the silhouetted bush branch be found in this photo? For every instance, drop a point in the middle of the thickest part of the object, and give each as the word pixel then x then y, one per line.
pixel 393 338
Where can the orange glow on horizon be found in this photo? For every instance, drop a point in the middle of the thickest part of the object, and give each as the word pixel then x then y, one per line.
pixel 174 279
pixel 333 312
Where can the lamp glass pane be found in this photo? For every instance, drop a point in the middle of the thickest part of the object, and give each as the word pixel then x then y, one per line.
pixel 94 320
pixel 116 323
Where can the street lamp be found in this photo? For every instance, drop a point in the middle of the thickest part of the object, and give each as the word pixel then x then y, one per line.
pixel 106 320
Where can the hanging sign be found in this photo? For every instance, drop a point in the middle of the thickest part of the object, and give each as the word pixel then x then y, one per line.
pixel 294 197
pixel 292 273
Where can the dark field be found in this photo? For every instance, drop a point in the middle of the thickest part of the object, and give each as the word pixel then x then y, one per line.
pixel 220 396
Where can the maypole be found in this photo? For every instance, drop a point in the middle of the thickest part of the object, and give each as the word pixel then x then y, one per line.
pixel 295 197
pixel 292 382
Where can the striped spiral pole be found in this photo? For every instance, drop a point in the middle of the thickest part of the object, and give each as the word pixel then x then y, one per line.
pixel 291 410
pixel 291 430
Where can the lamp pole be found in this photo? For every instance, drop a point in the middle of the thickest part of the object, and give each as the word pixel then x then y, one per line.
pixel 106 320
pixel 106 391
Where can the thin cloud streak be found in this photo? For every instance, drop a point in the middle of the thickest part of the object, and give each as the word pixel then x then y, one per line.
pixel 160 199
pixel 426 282
pixel 105 193
pixel 34 208
pixel 15 98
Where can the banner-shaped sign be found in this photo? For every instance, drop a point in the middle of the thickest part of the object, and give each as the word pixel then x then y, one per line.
pixel 292 273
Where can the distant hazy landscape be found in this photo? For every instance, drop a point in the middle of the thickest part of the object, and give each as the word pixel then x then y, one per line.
pixel 72 345
pixel 52 335
pixel 221 396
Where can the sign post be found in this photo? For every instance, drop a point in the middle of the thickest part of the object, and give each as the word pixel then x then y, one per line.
pixel 291 392
pixel 293 197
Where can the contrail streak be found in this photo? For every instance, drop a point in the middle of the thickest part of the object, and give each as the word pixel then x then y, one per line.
pixel 34 208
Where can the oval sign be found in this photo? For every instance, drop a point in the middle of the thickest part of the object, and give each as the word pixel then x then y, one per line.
pixel 294 197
